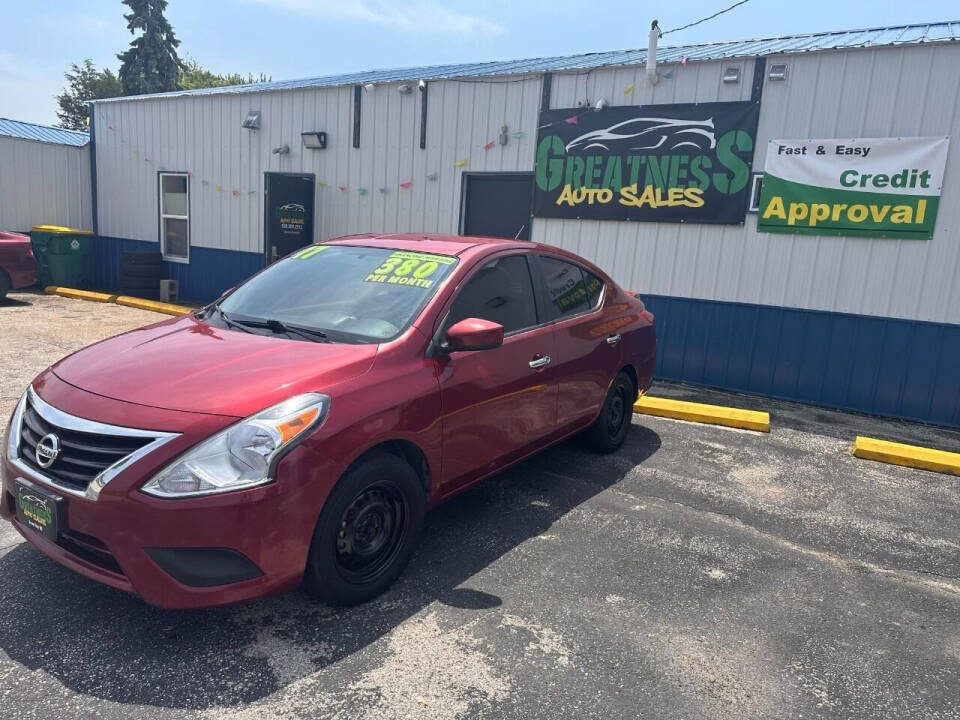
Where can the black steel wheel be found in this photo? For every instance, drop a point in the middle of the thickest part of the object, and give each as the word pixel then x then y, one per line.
pixel 610 428
pixel 366 531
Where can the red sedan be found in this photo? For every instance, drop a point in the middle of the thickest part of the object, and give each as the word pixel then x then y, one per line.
pixel 18 267
pixel 298 429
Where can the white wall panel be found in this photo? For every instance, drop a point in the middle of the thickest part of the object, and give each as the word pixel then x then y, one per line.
pixel 898 91
pixel 43 183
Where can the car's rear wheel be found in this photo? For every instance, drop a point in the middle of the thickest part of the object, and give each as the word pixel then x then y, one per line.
pixel 612 425
pixel 367 531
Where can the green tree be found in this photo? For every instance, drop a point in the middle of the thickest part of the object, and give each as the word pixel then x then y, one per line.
pixel 150 65
pixel 84 83
pixel 193 76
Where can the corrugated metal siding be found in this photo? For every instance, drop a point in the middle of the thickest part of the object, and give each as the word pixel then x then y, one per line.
pixel 893 35
pixel 905 90
pixel 900 368
pixel 202 135
pixel 890 91
pixel 43 183
pixel 42 133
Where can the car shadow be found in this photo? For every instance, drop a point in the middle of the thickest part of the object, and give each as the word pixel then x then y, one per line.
pixel 8 301
pixel 104 643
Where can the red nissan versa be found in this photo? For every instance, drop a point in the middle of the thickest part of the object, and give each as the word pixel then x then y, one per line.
pixel 297 430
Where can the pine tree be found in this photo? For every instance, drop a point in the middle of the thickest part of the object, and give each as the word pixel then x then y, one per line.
pixel 151 64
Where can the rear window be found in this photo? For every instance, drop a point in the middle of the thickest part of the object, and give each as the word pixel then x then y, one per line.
pixel 352 293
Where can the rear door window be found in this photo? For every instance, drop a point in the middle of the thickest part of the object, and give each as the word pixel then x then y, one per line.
pixel 565 288
pixel 502 292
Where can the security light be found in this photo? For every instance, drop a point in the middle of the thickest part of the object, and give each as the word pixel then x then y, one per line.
pixel 777 72
pixel 731 75
pixel 600 104
pixel 405 89
pixel 282 150
pixel 369 87
pixel 422 85
pixel 315 139
pixel 252 120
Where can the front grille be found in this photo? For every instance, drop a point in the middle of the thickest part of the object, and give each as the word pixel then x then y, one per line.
pixel 83 455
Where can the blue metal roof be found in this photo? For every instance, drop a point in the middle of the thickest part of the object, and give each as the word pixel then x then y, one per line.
pixel 43 133
pixel 833 40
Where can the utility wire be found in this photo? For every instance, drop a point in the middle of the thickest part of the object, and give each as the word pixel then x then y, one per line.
pixel 703 20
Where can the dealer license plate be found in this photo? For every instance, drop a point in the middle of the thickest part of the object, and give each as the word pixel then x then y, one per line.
pixel 38 510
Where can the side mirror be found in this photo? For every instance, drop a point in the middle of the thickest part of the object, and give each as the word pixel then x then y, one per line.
pixel 474 334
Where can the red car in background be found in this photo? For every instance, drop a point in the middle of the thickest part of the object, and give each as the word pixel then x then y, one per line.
pixel 298 429
pixel 18 267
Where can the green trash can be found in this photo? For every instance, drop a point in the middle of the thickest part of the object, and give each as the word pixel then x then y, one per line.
pixel 60 253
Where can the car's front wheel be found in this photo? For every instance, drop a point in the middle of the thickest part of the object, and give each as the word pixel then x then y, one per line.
pixel 610 428
pixel 366 532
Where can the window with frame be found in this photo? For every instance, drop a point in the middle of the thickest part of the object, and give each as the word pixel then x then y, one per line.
pixel 501 292
pixel 175 216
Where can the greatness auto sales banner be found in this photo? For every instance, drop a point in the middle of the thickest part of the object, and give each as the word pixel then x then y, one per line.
pixel 882 187
pixel 653 163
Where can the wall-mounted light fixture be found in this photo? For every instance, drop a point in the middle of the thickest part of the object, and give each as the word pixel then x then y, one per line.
pixel 252 120
pixel 777 73
pixel 422 85
pixel 315 139
pixel 731 75
pixel 282 150
pixel 368 87
pixel 600 104
pixel 405 89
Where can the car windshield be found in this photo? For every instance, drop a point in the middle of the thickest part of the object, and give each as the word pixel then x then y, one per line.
pixel 350 293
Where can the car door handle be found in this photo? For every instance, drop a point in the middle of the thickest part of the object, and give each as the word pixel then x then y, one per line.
pixel 613 339
pixel 540 362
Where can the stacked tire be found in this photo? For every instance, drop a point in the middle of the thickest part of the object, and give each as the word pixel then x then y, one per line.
pixel 141 273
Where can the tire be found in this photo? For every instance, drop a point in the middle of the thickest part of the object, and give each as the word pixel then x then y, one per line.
pixel 367 531
pixel 610 429
pixel 4 284
pixel 152 272
pixel 142 258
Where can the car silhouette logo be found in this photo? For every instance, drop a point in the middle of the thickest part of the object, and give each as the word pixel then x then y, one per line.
pixel 291 207
pixel 648 133
pixel 47 450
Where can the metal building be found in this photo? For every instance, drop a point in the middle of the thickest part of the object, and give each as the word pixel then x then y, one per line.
pixel 863 323
pixel 44 177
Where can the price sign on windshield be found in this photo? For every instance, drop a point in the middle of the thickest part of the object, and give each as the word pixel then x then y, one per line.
pixel 409 268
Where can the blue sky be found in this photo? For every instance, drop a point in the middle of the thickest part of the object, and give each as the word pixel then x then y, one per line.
pixel 302 38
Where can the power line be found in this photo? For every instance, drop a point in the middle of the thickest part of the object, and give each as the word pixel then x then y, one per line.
pixel 703 20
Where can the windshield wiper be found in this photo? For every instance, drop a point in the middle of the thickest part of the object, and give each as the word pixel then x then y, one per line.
pixel 281 327
pixel 226 319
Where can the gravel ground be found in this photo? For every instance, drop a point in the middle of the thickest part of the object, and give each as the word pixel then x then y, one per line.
pixel 701 572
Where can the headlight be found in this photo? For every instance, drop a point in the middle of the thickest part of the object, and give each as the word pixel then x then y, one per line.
pixel 242 456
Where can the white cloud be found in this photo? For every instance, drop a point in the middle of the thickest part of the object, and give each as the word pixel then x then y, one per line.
pixel 417 16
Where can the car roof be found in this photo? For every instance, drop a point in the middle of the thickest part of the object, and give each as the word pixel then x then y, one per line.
pixel 431 242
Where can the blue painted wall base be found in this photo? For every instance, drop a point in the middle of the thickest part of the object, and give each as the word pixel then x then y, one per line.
pixel 209 272
pixel 884 366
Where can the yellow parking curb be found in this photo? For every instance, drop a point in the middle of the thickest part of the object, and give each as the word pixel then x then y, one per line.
pixel 698 412
pixel 80 294
pixel 160 307
pixel 907 455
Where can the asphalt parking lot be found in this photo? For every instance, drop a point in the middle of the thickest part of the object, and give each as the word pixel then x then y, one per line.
pixel 701 572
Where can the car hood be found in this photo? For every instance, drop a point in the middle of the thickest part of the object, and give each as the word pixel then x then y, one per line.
pixel 184 364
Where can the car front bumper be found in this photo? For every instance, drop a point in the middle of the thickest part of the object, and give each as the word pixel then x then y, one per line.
pixel 175 553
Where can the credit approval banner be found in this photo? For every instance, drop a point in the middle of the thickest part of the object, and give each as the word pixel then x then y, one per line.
pixel 880 187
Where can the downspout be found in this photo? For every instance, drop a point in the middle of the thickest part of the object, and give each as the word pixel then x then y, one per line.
pixel 93 278
pixel 93 172
pixel 652 54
